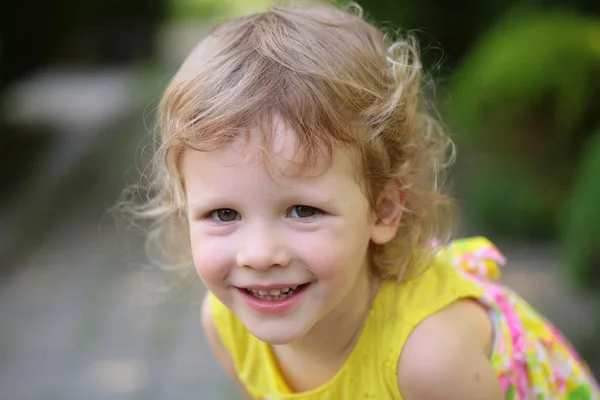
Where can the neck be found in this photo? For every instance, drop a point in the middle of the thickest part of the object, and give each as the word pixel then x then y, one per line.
pixel 335 335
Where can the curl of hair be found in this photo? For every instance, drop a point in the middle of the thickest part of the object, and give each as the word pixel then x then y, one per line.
pixel 336 80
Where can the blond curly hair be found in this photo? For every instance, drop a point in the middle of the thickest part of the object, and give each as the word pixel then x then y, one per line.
pixel 335 79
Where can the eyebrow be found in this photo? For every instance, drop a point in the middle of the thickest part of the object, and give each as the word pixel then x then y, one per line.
pixel 208 203
pixel 309 197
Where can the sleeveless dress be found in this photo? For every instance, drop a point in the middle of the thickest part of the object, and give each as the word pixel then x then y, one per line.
pixel 532 360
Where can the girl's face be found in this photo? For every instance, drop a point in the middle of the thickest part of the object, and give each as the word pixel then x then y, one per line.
pixel 281 250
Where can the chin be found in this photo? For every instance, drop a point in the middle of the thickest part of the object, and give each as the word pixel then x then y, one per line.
pixel 275 332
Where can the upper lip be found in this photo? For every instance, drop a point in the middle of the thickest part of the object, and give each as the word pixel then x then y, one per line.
pixel 274 286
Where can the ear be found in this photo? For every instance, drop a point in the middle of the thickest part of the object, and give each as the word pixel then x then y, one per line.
pixel 388 213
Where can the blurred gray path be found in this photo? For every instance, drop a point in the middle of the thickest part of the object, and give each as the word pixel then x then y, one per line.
pixel 80 321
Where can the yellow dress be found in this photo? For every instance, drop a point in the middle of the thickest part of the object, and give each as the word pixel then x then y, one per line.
pixel 531 359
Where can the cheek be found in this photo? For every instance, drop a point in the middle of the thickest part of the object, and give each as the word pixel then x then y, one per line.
pixel 330 255
pixel 211 259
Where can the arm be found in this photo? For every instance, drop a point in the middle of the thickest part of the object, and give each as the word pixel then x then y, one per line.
pixel 447 357
pixel 217 346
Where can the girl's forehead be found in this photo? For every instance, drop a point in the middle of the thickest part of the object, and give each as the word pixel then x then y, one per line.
pixel 282 154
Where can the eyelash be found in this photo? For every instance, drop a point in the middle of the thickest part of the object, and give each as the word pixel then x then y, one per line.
pixel 213 215
pixel 314 209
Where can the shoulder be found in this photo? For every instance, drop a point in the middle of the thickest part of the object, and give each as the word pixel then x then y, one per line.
pixel 447 357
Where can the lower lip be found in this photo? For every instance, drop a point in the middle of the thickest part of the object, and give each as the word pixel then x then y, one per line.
pixel 272 306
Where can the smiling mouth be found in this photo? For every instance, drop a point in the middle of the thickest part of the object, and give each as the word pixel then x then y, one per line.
pixel 275 294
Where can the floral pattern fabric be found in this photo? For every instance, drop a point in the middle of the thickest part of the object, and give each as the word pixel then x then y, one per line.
pixel 532 359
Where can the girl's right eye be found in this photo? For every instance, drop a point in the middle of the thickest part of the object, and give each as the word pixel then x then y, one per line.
pixel 224 215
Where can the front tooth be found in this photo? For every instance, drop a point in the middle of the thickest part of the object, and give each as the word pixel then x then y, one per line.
pixel 263 292
pixel 274 292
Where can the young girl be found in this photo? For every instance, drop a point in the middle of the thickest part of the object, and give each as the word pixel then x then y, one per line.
pixel 301 173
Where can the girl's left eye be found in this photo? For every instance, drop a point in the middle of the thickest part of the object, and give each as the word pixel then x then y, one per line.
pixel 224 215
pixel 303 212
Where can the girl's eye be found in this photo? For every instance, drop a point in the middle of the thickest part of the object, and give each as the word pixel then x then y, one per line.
pixel 303 212
pixel 224 215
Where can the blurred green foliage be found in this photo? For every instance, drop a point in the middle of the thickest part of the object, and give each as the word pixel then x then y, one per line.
pixel 211 9
pixel 582 223
pixel 446 29
pixel 525 102
pixel 527 64
pixel 449 29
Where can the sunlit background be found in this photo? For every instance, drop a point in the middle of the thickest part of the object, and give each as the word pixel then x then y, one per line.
pixel 82 317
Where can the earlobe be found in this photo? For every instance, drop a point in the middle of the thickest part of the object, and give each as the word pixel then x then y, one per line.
pixel 388 215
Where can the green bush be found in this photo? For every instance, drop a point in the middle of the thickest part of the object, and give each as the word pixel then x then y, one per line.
pixel 506 196
pixel 581 235
pixel 528 63
pixel 525 99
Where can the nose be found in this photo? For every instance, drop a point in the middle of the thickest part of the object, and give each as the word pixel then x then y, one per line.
pixel 261 248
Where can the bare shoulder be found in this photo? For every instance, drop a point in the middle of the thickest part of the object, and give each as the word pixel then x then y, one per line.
pixel 216 345
pixel 447 357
